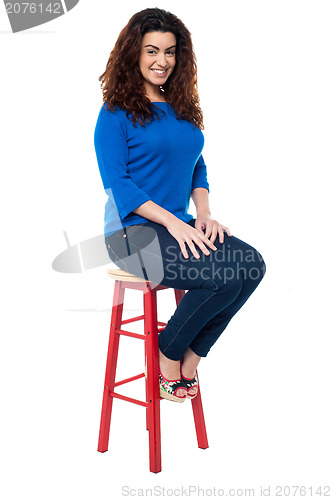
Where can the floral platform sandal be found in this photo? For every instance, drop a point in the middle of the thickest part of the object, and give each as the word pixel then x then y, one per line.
pixel 169 388
pixel 190 383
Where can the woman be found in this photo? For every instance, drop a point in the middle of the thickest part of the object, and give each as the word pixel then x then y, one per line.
pixel 148 142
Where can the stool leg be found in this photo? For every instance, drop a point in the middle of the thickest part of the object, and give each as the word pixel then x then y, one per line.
pixel 153 396
pixel 178 295
pixel 197 408
pixel 112 356
pixel 196 402
pixel 146 387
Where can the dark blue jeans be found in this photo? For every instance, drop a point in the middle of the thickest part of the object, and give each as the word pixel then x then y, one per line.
pixel 218 284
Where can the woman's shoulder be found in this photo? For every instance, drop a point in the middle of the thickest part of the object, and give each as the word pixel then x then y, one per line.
pixel 112 115
pixel 114 110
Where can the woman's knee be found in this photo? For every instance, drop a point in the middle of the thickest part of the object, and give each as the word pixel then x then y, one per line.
pixel 225 280
pixel 246 260
pixel 257 269
pixel 254 268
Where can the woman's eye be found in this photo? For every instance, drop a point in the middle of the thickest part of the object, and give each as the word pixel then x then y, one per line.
pixel 168 52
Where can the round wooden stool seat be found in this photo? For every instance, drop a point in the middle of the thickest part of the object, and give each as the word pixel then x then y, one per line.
pixel 120 274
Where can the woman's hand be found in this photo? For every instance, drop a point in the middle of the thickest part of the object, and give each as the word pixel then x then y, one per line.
pixel 184 233
pixel 211 226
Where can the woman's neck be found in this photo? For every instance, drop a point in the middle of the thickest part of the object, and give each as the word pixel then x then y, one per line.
pixel 156 98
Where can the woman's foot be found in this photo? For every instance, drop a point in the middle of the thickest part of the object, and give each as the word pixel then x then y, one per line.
pixel 191 385
pixel 170 371
pixel 189 364
pixel 169 389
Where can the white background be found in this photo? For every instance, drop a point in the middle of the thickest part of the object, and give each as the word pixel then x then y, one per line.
pixel 265 79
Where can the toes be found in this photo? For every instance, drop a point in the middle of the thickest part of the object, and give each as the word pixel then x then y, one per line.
pixel 181 392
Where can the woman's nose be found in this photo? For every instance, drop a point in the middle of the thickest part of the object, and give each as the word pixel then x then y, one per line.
pixel 161 60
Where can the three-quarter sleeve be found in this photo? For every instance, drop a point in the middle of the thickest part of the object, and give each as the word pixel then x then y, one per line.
pixel 200 175
pixel 112 157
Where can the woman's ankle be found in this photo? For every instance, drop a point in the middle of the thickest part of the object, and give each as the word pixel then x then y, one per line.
pixel 189 364
pixel 169 368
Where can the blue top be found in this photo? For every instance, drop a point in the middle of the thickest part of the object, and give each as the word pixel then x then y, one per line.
pixel 161 162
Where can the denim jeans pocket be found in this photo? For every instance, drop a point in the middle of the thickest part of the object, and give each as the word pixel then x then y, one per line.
pixel 118 243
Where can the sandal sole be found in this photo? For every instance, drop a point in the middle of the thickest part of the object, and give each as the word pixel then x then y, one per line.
pixel 170 397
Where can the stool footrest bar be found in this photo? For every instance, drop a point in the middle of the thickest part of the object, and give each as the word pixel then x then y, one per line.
pixel 130 379
pixel 126 398
pixel 131 334
pixel 129 320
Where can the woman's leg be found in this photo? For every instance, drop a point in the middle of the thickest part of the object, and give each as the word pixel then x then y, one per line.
pixel 212 330
pixel 190 361
pixel 227 278
pixel 210 333
pixel 218 284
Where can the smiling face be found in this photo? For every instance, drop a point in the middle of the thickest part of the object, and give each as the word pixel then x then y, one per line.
pixel 157 61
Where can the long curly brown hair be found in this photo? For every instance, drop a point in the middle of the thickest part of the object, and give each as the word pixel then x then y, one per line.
pixel 122 82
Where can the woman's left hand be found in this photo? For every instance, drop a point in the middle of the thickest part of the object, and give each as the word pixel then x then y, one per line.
pixel 212 227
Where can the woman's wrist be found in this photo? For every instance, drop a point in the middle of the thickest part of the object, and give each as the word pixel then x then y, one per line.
pixel 203 212
pixel 155 213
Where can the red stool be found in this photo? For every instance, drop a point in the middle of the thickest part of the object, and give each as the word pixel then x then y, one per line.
pixel 151 329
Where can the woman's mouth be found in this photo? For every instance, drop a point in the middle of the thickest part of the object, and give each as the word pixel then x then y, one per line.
pixel 158 72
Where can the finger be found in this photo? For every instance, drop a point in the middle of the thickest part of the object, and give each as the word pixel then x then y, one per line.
pixel 205 240
pixel 199 226
pixel 227 231
pixel 211 232
pixel 208 230
pixel 221 235
pixel 200 231
pixel 193 249
pixel 214 233
pixel 209 243
pixel 201 245
pixel 183 249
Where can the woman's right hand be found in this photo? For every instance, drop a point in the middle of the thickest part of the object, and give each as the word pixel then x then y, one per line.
pixel 185 233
